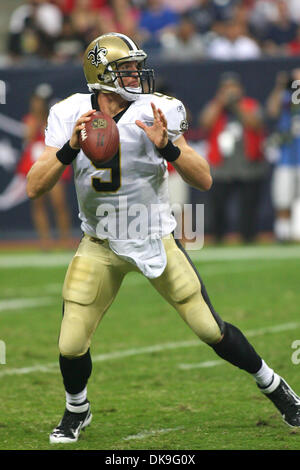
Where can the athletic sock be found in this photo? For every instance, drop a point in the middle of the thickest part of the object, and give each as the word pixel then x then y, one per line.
pixel 76 398
pixel 264 377
pixel 272 386
pixel 78 408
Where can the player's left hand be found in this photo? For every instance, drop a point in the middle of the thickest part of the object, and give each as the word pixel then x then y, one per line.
pixel 157 133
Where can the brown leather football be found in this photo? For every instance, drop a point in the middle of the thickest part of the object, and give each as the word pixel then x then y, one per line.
pixel 100 138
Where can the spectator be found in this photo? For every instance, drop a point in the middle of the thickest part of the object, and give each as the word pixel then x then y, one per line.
pixel 84 20
pixel 33 29
pixel 240 14
pixel 126 18
pixel 281 31
pixel 156 19
pixel 294 8
pixel 233 43
pixel 67 6
pixel 234 129
pixel 224 8
pixel 116 15
pixel 20 30
pixel 204 14
pixel 263 13
pixel 35 122
pixel 185 44
pixel 48 18
pixel 179 6
pixel 249 3
pixel 293 48
pixel 70 44
pixel 284 112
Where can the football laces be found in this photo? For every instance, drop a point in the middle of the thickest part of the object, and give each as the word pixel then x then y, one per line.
pixel 83 134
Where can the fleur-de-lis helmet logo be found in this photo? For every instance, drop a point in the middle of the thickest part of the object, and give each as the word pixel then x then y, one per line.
pixel 97 55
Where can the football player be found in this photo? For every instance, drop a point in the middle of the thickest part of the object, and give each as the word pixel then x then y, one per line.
pixel 150 127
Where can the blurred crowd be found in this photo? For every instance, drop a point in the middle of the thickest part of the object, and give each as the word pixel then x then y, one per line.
pixel 60 30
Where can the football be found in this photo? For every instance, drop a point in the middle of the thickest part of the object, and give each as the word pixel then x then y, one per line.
pixel 100 138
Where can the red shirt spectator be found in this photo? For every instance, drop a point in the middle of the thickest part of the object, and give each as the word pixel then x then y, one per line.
pixel 68 5
pixel 294 46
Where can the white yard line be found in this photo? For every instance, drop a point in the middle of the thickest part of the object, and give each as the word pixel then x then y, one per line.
pixel 249 334
pixel 28 370
pixel 146 350
pixel 273 329
pixel 53 366
pixel 42 260
pixel 200 365
pixel 245 253
pixel 145 434
pixel 25 303
pixel 45 260
pixel 31 291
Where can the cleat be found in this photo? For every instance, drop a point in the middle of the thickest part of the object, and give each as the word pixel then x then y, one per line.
pixel 71 424
pixel 285 400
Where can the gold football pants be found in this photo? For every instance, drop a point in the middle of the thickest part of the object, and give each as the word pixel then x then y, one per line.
pixel 94 277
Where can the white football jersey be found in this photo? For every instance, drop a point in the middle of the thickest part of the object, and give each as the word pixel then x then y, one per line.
pixel 126 198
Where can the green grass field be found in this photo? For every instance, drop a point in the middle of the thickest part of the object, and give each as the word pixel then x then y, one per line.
pixel 154 385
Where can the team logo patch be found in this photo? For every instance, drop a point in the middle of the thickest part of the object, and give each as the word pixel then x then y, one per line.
pixel 99 123
pixel 184 125
pixel 96 55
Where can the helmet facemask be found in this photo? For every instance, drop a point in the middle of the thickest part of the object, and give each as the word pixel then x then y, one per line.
pixel 144 76
pixel 113 76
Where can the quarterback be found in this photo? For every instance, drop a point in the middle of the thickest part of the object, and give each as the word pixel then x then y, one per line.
pixel 151 130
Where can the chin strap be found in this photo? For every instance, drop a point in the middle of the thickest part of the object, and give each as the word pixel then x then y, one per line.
pixel 129 96
pixel 136 92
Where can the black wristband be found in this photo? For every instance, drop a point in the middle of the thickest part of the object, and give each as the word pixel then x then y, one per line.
pixel 170 152
pixel 66 154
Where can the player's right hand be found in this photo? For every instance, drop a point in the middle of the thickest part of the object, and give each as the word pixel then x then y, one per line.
pixel 80 123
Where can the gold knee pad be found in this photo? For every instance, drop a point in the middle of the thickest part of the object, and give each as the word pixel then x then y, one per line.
pixel 179 281
pixel 196 313
pixel 83 280
pixel 180 285
pixel 75 335
pixel 82 307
